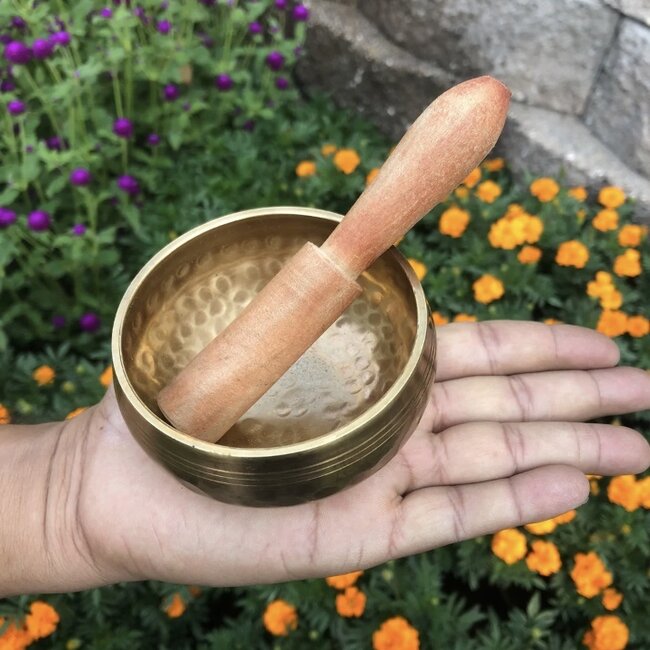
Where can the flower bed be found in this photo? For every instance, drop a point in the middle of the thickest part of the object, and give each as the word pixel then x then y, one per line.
pixel 160 140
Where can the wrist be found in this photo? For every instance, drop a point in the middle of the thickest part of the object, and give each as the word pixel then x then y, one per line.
pixel 43 544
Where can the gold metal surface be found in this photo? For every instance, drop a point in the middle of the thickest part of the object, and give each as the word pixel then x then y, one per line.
pixel 339 413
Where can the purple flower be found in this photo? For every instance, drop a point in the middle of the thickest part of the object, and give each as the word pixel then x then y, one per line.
pixel 255 28
pixel 90 322
pixel 171 92
pixel 274 60
pixel 106 12
pixel 42 48
pixel 29 149
pixel 164 5
pixel 281 4
pixel 138 12
pixel 123 127
pixel 223 82
pixel 54 143
pixel 7 217
pixel 38 220
pixel 79 229
pixel 80 176
pixel 281 83
pixel 248 125
pixel 18 22
pixel 62 38
pixel 153 139
pixel 300 12
pixel 128 184
pixel 58 321
pixel 7 86
pixel 186 106
pixel 164 26
pixel 17 52
pixel 208 3
pixel 16 107
pixel 5 39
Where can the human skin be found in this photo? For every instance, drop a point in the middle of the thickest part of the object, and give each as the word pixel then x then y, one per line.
pixel 502 443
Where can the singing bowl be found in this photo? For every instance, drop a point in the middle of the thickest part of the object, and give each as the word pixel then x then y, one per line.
pixel 340 412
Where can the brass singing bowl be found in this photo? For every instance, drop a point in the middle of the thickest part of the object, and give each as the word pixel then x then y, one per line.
pixel 340 413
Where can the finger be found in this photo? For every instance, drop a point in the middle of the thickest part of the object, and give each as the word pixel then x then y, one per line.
pixel 484 451
pixel 443 515
pixel 508 347
pixel 573 395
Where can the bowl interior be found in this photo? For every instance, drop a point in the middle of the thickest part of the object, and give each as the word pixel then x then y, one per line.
pixel 194 291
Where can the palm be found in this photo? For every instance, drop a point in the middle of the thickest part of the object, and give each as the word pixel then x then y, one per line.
pixel 497 447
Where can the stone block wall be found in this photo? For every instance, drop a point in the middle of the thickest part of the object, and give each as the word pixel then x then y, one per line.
pixel 579 71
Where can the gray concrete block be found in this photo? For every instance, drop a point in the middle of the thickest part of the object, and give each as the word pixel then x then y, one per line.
pixel 639 9
pixel 346 55
pixel 619 109
pixel 547 52
pixel 540 141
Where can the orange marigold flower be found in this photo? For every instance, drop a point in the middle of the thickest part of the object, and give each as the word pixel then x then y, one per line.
pixel 611 197
pixel 612 598
pixel 596 288
pixel 541 527
pixel 372 174
pixel 545 189
pixel 75 412
pixel 396 634
pixel 328 149
pixel 488 191
pixel 529 255
pixel 494 164
pixel 589 574
pixel 507 233
pixel 578 193
pixel 465 318
pixel 488 288
pixel 509 545
pixel 565 517
pixel 419 268
pixel 605 220
pixel 473 177
pixel 280 618
pixel 461 192
pixel 453 221
pixel 572 253
pixel 106 378
pixel 552 321
pixel 44 375
pixel 514 210
pixel 176 606
pixel 305 168
pixel 544 558
pixel 351 603
pixel 631 235
pixel 607 633
pixel 628 264
pixel 41 620
pixel 612 323
pixel 624 491
pixel 344 580
pixel 611 298
pixel 5 415
pixel 533 228
pixel 14 638
pixel 346 160
pixel 438 319
pixel 644 492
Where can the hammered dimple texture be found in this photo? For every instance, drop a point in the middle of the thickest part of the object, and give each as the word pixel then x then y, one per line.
pixel 343 374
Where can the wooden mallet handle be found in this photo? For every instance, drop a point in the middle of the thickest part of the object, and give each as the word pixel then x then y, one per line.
pixel 449 139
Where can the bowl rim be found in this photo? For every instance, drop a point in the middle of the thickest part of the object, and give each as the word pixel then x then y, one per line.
pixel 216 449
